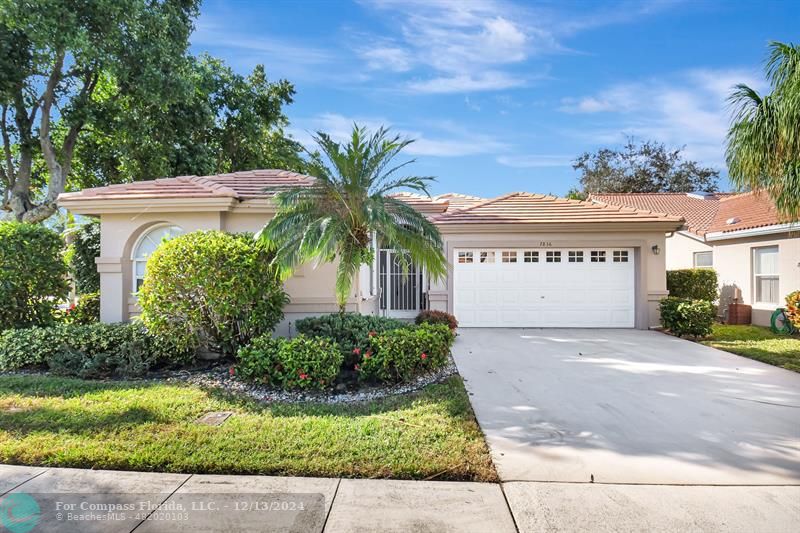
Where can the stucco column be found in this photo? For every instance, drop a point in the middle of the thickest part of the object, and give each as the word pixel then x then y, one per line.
pixel 112 304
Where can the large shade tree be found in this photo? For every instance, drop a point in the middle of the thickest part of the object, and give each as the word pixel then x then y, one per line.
pixel 336 217
pixel 647 166
pixel 93 93
pixel 54 56
pixel 764 139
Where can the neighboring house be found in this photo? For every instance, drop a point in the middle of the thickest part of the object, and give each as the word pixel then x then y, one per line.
pixel 741 236
pixel 519 260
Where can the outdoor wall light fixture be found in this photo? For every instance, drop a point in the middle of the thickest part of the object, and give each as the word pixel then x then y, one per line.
pixel 656 249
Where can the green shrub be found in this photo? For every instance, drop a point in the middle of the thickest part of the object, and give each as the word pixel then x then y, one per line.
pixel 33 276
pixel 436 317
pixel 302 362
pixel 687 317
pixel 59 346
pixel 351 331
pixel 693 284
pixel 83 251
pixel 211 289
pixel 86 311
pixel 401 354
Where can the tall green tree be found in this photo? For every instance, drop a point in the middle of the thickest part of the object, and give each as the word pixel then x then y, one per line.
pixel 220 121
pixel 647 166
pixel 53 56
pixel 764 138
pixel 336 217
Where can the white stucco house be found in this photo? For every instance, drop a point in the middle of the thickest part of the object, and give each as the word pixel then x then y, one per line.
pixel 518 260
pixel 756 254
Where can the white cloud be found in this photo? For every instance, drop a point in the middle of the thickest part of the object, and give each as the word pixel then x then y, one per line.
pixel 535 160
pixel 688 109
pixel 445 140
pixel 388 58
pixel 486 81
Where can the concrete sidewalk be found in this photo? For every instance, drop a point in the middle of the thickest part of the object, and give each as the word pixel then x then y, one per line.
pixel 64 500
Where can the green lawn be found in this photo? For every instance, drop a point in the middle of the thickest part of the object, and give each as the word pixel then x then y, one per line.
pixel 150 426
pixel 758 343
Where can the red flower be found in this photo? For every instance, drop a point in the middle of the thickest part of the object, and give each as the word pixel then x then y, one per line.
pixel 303 376
pixel 232 371
pixel 357 351
pixel 424 356
pixel 372 333
pixel 356 367
pixel 368 354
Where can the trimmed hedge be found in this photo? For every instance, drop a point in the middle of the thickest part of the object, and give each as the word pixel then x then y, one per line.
pixel 82 253
pixel 211 289
pixel 85 311
pixel 87 350
pixel 351 331
pixel 693 284
pixel 687 317
pixel 33 275
pixel 302 362
pixel 399 355
pixel 436 317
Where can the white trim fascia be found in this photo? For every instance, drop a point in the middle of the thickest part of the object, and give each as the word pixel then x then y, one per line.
pixel 753 232
pixel 691 235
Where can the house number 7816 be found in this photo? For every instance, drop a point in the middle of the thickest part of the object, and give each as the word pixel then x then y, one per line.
pixel 545 244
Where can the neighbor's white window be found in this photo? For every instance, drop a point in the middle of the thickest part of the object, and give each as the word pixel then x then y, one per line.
pixel 765 275
pixel 703 259
pixel 146 245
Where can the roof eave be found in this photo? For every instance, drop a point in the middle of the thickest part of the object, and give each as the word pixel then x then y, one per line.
pixel 100 206
pixel 753 232
pixel 562 227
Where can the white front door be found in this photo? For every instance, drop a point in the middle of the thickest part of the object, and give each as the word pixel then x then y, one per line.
pixel 544 287
pixel 402 292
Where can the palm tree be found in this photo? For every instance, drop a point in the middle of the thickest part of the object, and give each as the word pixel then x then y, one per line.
pixel 764 139
pixel 336 217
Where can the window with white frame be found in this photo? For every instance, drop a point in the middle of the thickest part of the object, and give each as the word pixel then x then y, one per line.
pixel 703 259
pixel 465 257
pixel 146 245
pixel 765 275
pixel 487 257
pixel 509 256
pixel 531 256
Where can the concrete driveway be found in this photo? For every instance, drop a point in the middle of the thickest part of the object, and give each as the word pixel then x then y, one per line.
pixel 628 406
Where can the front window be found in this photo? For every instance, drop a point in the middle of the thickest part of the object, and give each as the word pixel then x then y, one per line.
pixel 703 259
pixel 765 275
pixel 146 246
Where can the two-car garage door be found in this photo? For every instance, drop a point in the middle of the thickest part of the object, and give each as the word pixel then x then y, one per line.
pixel 544 287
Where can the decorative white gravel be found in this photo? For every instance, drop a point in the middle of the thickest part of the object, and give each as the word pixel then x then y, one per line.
pixel 219 377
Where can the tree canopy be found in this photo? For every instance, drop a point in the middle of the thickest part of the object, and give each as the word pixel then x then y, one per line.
pixel 646 166
pixel 93 93
pixel 764 138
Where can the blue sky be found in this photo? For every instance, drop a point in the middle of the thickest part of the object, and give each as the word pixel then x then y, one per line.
pixel 501 96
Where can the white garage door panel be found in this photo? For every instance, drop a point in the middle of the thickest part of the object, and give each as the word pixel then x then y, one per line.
pixel 545 294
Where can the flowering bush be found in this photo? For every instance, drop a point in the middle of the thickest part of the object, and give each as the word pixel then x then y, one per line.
pixel 302 362
pixel 351 331
pixel 793 308
pixel 86 311
pixel 436 317
pixel 401 354
pixel 687 317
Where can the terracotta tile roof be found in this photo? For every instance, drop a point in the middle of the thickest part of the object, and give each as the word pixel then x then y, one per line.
pixel 744 211
pixel 420 202
pixel 459 201
pixel 703 215
pixel 527 208
pixel 241 185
